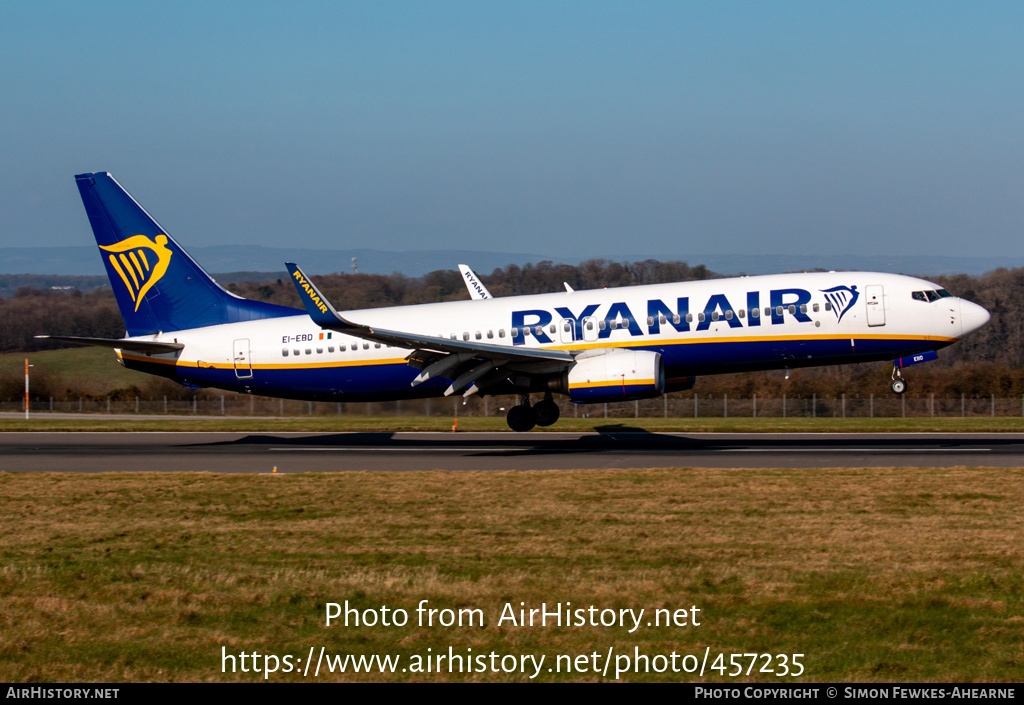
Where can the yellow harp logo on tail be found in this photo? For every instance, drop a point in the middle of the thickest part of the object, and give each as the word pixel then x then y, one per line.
pixel 140 263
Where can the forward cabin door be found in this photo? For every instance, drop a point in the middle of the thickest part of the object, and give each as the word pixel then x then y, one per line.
pixel 243 366
pixel 875 304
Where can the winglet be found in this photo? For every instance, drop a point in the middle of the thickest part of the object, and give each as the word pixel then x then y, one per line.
pixel 476 288
pixel 317 305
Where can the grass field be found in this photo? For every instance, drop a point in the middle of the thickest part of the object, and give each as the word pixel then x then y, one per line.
pixel 873 574
pixel 94 370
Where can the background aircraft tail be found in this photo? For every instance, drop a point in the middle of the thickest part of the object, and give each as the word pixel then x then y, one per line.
pixel 157 285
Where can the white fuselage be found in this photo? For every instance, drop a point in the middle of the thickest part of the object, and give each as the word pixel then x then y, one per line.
pixel 699 327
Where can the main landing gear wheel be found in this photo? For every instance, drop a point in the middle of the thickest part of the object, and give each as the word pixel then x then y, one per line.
pixel 546 413
pixel 898 385
pixel 521 418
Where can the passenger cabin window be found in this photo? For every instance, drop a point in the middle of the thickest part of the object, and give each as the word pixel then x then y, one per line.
pixel 330 348
pixel 284 353
pixel 501 333
pixel 376 345
pixel 675 319
pixel 553 329
pixel 803 308
pixel 816 307
pixel 319 351
pixel 755 313
pixel 714 315
pixel 741 312
pixel 479 335
pixel 308 351
pixel 296 352
pixel 728 315
pixel 778 310
pixel 828 306
pixel 366 346
pixel 515 332
pixel 342 348
pixel 700 316
pixel 689 318
pixel 602 324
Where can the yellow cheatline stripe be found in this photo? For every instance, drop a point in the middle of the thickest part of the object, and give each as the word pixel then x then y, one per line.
pixel 124 261
pixel 320 365
pixel 128 286
pixel 138 267
pixel 649 342
pixel 230 366
pixel 402 360
pixel 612 383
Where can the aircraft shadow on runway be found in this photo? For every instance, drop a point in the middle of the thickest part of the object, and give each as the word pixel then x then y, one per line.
pixel 610 438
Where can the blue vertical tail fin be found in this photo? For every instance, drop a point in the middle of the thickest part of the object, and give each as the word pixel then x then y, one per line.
pixel 157 285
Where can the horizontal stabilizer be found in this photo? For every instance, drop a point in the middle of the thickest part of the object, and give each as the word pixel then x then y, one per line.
pixel 144 346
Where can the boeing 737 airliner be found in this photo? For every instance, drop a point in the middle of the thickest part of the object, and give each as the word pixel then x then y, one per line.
pixel 592 346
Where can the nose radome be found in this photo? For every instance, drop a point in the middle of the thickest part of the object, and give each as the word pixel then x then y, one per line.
pixel 972 316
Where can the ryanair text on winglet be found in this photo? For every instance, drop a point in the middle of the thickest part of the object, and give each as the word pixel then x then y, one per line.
pixel 309 290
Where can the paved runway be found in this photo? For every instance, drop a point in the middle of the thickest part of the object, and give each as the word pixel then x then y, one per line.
pixel 325 452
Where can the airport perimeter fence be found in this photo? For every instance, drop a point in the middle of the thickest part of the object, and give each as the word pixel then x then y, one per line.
pixel 681 405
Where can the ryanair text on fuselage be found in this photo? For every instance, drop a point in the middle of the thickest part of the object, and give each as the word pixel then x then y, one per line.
pixel 717 309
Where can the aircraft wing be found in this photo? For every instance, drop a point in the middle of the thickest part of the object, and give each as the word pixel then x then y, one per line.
pixel 435 356
pixel 144 346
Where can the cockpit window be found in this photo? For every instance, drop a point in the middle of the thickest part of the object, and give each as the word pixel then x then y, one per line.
pixel 930 295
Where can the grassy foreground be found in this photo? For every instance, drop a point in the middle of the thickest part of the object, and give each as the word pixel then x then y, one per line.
pixel 39 421
pixel 898 574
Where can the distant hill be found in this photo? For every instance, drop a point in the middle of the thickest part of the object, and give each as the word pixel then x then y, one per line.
pixel 85 260
pixel 10 283
pixel 268 262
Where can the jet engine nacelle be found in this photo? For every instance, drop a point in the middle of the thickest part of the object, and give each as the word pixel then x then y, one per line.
pixel 616 375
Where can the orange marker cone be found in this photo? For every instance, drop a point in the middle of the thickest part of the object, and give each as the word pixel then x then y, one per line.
pixel 455 426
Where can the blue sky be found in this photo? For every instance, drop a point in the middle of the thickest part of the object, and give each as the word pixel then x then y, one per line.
pixel 568 128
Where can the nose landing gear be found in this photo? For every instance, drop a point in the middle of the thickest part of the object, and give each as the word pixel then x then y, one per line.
pixel 898 385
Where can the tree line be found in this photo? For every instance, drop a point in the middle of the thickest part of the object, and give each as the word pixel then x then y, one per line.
pixel 991 361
